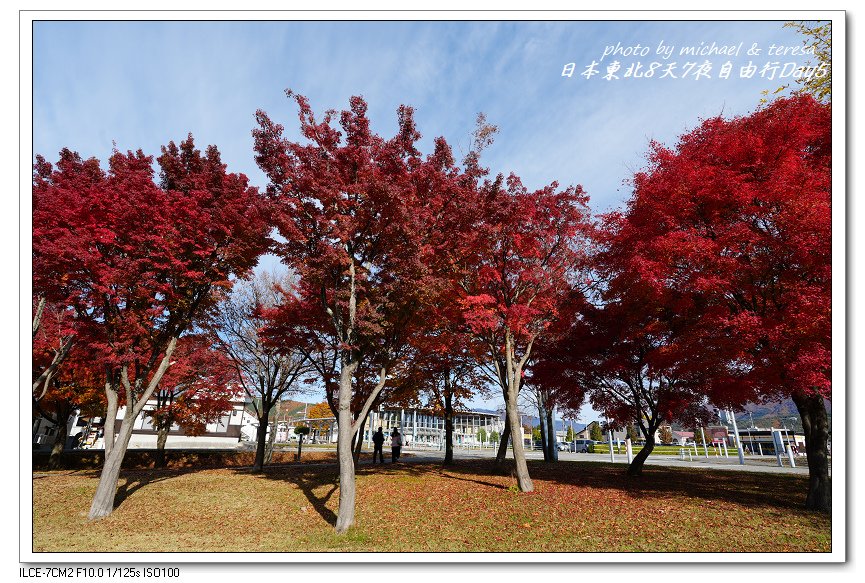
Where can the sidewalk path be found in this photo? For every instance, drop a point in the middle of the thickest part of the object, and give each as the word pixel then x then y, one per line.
pixel 765 464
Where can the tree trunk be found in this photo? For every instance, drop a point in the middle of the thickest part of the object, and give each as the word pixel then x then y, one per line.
pixel 542 422
pixel 103 501
pixel 110 419
pixel 271 439
pixel 545 440
pixel 502 453
pixel 106 490
pixel 523 480
pixel 345 514
pixel 357 441
pixel 552 442
pixel 636 466
pixel 161 438
pixel 59 445
pixel 261 442
pixel 815 423
pixel 449 428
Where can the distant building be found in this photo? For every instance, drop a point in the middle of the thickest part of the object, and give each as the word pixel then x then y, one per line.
pixel 618 434
pixel 586 432
pixel 79 429
pixel 286 417
pixel 222 433
pixel 426 427
pixel 417 426
pixel 682 437
pixel 716 433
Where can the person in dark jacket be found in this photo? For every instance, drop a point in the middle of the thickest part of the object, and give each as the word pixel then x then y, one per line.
pixel 395 445
pixel 378 442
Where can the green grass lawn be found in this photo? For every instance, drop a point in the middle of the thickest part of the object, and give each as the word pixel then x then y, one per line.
pixel 576 506
pixel 663 450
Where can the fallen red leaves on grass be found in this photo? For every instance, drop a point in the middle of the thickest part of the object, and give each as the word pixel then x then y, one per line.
pixel 411 507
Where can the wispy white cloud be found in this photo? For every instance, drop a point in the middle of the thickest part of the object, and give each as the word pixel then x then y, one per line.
pixel 143 83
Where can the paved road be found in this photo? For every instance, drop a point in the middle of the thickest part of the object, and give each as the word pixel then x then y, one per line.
pixel 767 464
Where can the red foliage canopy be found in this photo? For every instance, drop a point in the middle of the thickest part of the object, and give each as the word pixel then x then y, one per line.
pixel 136 259
pixel 736 220
pixel 198 388
pixel 352 209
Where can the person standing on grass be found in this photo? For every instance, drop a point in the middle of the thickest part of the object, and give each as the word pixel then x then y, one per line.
pixel 395 445
pixel 378 443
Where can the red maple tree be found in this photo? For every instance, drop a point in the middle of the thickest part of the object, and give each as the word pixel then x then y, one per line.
pixel 74 382
pixel 736 219
pixel 139 261
pixel 347 203
pixel 443 368
pixel 515 263
pixel 634 350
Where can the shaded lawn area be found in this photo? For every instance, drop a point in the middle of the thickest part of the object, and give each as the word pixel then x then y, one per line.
pixel 576 507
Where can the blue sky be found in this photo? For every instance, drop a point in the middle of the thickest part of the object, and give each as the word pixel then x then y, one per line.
pixel 141 84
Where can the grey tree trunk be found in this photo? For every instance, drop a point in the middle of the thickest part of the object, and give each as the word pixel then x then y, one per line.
pixel 54 460
pixel 110 418
pixel 345 514
pixel 106 490
pixel 815 423
pixel 449 428
pixel 523 480
pixel 357 441
pixel 636 466
pixel 502 453
pixel 161 439
pixel 103 501
pixel 261 443
pixel 542 423
pixel 552 443
pixel 271 439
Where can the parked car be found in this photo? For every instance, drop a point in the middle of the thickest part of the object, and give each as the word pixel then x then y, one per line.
pixel 563 446
pixel 581 445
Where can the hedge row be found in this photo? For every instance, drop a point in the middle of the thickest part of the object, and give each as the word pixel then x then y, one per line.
pixel 175 458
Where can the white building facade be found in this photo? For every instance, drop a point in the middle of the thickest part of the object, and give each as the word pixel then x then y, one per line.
pixel 224 433
pixel 424 427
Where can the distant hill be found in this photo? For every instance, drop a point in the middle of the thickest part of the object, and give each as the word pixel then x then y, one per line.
pixel 766 415
pixel 778 414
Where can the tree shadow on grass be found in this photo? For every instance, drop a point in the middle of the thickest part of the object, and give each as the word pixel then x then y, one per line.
pixel 743 488
pixel 312 478
pixel 411 469
pixel 308 480
pixel 444 472
pixel 135 480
